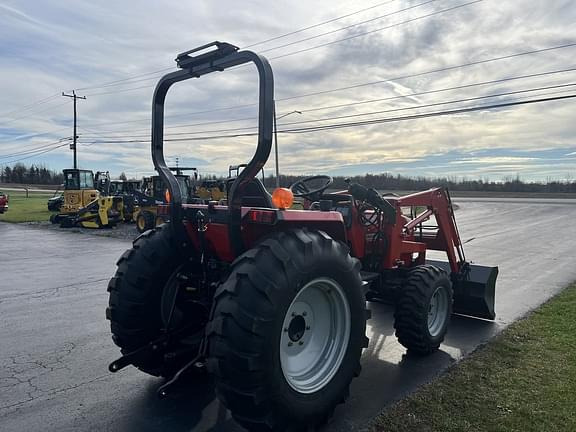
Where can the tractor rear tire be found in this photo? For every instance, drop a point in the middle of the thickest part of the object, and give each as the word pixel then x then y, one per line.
pixel 297 292
pixel 144 221
pixel 423 309
pixel 136 291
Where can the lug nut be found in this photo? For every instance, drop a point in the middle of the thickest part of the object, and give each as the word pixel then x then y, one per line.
pixel 304 313
pixel 290 344
pixel 293 314
pixel 285 329
pixel 301 343
pixel 307 327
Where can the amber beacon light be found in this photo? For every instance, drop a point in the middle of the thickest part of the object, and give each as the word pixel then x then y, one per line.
pixel 282 198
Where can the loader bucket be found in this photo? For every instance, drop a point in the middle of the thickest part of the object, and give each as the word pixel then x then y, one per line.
pixel 474 290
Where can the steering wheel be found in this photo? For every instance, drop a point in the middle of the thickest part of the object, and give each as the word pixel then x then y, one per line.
pixel 308 187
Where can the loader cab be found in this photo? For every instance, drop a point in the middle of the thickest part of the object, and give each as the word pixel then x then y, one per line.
pixel 75 179
pixel 79 189
pixel 156 188
pixel 124 187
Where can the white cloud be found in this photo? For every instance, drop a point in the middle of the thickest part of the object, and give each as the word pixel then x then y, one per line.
pixel 57 45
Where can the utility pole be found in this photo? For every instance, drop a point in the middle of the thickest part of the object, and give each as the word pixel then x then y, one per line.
pixel 75 136
pixel 276 141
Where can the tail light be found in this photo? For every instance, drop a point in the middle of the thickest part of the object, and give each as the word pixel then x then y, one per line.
pixel 267 217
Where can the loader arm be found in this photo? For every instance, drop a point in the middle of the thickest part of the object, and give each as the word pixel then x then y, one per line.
pixel 446 238
pixel 474 285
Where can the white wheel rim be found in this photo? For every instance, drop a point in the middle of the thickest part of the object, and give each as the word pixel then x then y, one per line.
pixel 315 335
pixel 438 311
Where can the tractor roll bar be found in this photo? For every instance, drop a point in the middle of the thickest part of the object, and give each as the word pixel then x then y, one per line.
pixel 224 56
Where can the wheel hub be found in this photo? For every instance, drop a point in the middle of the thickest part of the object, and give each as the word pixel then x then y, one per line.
pixel 296 328
pixel 315 335
pixel 438 311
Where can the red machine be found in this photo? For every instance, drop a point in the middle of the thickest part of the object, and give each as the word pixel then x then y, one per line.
pixel 271 300
pixel 3 203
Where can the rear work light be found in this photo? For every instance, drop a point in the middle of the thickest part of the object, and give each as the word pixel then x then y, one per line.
pixel 267 217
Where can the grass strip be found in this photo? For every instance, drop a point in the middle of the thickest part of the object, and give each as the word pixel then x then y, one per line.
pixel 523 380
pixel 31 209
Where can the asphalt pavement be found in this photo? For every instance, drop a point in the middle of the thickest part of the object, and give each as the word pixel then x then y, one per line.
pixel 55 343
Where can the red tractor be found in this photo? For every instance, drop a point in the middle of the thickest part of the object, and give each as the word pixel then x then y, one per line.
pixel 271 300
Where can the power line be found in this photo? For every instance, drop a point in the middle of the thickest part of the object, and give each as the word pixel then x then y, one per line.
pixel 432 114
pixel 348 26
pixel 120 91
pixel 132 78
pixel 31 150
pixel 359 85
pixel 442 11
pixel 29 106
pixel 350 37
pixel 34 155
pixel 27 136
pixel 112 83
pixel 335 118
pixel 317 25
pixel 432 71
pixel 445 89
pixel 35 114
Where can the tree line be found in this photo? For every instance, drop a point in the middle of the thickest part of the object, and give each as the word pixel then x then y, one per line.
pixel 387 181
pixel 39 174
pixel 33 174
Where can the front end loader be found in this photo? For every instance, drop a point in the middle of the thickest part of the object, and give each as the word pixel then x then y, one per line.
pixel 271 300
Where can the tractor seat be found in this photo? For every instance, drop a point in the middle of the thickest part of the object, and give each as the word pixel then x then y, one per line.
pixel 255 194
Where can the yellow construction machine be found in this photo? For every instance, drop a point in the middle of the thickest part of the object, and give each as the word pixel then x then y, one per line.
pixel 85 204
pixel 154 194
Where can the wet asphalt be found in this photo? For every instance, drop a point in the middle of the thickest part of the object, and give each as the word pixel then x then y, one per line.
pixel 55 343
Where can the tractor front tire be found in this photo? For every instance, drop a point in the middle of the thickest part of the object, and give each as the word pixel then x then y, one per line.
pixel 136 290
pixel 423 309
pixel 287 331
pixel 144 221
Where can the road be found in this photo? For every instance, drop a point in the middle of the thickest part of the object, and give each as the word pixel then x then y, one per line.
pixel 55 342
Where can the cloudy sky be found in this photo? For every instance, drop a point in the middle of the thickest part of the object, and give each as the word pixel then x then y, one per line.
pixel 401 58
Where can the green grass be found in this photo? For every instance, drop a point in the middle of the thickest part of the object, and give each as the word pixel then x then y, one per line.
pixel 22 209
pixel 524 380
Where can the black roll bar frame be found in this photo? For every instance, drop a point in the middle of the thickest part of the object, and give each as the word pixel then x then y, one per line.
pixel 224 56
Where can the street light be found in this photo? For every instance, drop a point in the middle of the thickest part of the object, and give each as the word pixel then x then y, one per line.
pixel 276 140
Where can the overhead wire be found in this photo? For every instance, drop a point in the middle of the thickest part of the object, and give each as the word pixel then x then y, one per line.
pixel 133 79
pixel 359 85
pixel 349 124
pixel 33 149
pixel 34 114
pixel 510 93
pixel 347 27
pixel 34 154
pixel 30 105
pixel 317 25
pixel 409 95
pixel 339 40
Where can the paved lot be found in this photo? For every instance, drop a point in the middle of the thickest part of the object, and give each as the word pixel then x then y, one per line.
pixel 55 343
